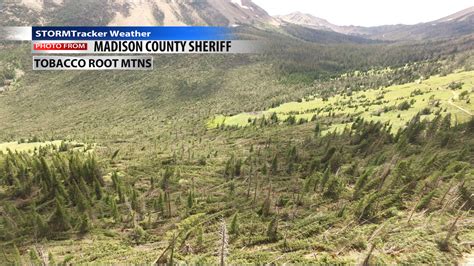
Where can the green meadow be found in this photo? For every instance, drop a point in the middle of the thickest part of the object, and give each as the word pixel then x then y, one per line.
pixel 29 147
pixel 26 147
pixel 396 104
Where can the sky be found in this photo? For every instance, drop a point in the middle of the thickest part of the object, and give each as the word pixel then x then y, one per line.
pixel 368 12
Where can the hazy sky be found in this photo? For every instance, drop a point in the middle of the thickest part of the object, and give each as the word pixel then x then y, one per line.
pixel 368 12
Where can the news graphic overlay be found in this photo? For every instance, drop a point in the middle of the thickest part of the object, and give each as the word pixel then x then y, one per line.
pixel 126 48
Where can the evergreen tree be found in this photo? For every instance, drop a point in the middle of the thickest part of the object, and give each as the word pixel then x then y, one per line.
pixel 84 226
pixel 445 123
pixel 80 200
pixel 84 188
pixel 325 178
pixel 34 257
pixel 272 230
pixel 115 212
pixel 98 189
pixel 360 183
pixel 115 181
pixel 160 205
pixel 266 206
pixel 237 167
pixel 165 182
pixel 317 130
pixel 264 169
pixel 228 169
pixel 274 168
pixel 333 189
pixel 138 234
pixel 274 118
pixel 51 260
pixel 41 228
pixel 152 183
pixel 59 221
pixel 425 201
pixel 121 196
pixel 234 225
pixel 190 201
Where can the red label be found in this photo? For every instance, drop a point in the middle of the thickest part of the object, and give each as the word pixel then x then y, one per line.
pixel 60 46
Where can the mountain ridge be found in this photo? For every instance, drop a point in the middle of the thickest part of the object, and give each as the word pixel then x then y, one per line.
pixel 450 26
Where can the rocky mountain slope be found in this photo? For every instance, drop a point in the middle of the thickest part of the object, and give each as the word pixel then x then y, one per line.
pixel 133 12
pixel 455 25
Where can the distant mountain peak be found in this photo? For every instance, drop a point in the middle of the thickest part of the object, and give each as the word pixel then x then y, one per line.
pixel 457 24
pixel 308 20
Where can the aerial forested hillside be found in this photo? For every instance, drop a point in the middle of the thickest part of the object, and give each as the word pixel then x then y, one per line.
pixel 324 149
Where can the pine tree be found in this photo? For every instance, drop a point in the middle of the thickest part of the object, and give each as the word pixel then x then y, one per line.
pixel 290 168
pixel 231 187
pixel 152 183
pixel 445 123
pixel 237 167
pixel 265 169
pixel 165 182
pixel 41 228
pixel 266 206
pixel 160 206
pixel 274 168
pixel 84 188
pixel 317 130
pixel 190 201
pixel 34 257
pixel 98 189
pixel 274 118
pixel 84 226
pixel 80 200
pixel 307 183
pixel 134 201
pixel 51 260
pixel 333 189
pixel 115 212
pixel 325 178
pixel 138 234
pixel 234 225
pixel 121 195
pixel 59 221
pixel 272 230
pixel 115 181
pixel 228 169
pixel 425 201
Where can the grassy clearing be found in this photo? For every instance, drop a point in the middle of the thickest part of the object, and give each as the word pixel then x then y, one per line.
pixel 30 147
pixel 26 147
pixel 432 96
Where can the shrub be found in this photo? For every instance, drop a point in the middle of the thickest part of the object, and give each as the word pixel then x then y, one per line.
pixel 405 105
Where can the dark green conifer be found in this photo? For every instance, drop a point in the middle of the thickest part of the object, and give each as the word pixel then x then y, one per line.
pixel 190 200
pixel 60 220
pixel 234 225
pixel 274 168
pixel 85 225
pixel 272 230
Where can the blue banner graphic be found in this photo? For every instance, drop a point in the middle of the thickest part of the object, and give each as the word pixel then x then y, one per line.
pixel 161 33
